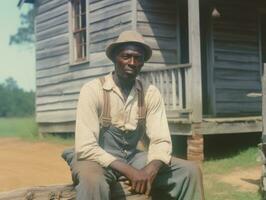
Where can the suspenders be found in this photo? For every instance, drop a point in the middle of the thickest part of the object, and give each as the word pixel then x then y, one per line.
pixel 106 116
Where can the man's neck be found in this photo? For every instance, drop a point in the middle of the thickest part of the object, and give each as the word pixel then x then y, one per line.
pixel 125 86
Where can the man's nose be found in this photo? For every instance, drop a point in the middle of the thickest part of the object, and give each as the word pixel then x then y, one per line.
pixel 132 61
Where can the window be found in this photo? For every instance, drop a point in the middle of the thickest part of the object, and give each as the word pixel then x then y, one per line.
pixel 79 31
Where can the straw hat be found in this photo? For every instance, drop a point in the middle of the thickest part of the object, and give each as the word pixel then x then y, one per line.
pixel 129 37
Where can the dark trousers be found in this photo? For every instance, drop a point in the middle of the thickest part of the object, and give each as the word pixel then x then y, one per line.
pixel 181 180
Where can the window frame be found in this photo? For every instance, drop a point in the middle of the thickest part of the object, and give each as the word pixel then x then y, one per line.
pixel 73 50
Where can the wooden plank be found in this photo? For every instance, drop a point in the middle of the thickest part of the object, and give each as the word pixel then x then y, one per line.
pixel 52 62
pixel 61 19
pixel 238 84
pixel 60 10
pixel 228 74
pixel 180 127
pixel 62 88
pixel 209 128
pixel 238 58
pixel 238 109
pixel 195 59
pixel 57 106
pixel 181 89
pixel 119 191
pixel 264 102
pixel 158 43
pixel 56 116
pixel 50 43
pixel 166 6
pixel 110 22
pixel 225 95
pixel 155 17
pixel 109 33
pixel 167 57
pixel 56 128
pixel 75 75
pixel 58 30
pixel 42 73
pixel 174 91
pixel 50 5
pixel 109 12
pixel 134 17
pixel 53 52
pixel 56 98
pixel 237 65
pixel 156 30
pixel 103 4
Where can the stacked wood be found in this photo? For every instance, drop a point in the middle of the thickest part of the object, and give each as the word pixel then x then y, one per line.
pixel 195 144
pixel 64 192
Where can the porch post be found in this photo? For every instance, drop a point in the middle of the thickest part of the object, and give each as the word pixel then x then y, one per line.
pixel 195 141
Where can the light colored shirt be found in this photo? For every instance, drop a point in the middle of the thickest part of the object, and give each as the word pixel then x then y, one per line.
pixel 124 116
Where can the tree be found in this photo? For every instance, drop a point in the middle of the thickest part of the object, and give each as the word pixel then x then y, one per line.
pixel 25 32
pixel 15 101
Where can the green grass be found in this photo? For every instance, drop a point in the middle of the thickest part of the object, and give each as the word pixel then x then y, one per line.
pixel 27 129
pixel 24 128
pixel 215 189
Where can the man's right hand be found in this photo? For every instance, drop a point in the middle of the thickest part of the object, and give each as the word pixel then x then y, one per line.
pixel 139 179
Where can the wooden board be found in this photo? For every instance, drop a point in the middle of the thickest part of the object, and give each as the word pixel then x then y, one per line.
pixel 65 192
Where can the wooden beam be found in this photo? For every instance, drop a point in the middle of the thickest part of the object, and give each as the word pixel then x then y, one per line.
pixel 230 127
pixel 195 60
pixel 264 104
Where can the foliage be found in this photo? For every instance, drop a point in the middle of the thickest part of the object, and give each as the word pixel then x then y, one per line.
pixel 25 32
pixel 15 101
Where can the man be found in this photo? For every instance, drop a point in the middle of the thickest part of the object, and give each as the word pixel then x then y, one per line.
pixel 113 114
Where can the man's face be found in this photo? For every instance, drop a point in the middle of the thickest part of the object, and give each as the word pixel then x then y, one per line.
pixel 128 62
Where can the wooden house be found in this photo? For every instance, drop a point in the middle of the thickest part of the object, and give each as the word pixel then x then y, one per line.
pixel 207 60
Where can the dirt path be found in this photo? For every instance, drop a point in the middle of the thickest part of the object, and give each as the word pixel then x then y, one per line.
pixel 25 164
pixel 245 180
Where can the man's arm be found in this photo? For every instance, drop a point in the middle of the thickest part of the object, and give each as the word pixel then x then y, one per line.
pixel 157 130
pixel 87 126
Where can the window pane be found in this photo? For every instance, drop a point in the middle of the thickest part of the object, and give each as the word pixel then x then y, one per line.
pixel 79 31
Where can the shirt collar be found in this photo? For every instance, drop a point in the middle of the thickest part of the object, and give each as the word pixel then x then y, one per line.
pixel 109 83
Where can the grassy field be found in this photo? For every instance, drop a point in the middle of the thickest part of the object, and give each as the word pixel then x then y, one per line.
pixel 26 128
pixel 215 189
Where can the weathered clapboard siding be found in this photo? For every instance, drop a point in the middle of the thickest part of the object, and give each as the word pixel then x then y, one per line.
pixel 60 116
pixel 156 21
pixel 236 62
pixel 42 100
pixel 59 83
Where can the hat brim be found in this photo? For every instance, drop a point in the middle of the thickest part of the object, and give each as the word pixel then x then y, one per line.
pixel 111 49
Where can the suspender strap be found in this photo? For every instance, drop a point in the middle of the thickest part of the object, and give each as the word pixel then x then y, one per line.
pixel 106 116
pixel 141 105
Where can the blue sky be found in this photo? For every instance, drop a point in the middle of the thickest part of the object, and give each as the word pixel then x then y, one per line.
pixel 15 61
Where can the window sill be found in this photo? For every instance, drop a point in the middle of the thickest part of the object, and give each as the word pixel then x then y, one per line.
pixel 82 62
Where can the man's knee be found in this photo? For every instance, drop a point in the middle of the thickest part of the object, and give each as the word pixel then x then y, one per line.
pixel 189 169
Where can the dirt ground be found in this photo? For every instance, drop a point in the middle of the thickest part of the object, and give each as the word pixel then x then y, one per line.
pixel 26 164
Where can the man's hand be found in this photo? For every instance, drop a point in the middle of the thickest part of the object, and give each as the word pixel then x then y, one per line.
pixel 140 180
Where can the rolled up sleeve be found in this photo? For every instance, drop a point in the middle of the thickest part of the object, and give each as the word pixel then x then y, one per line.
pixel 157 129
pixel 87 128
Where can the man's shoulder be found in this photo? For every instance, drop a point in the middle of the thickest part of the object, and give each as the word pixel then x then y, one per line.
pixel 94 84
pixel 149 88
